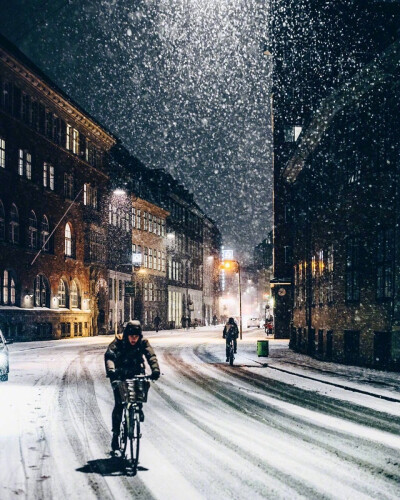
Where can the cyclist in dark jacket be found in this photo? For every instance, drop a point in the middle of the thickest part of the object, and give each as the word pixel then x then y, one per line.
pixel 231 331
pixel 124 359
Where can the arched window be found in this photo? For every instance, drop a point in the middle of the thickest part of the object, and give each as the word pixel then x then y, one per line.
pixel 74 295
pixel 68 240
pixel 8 289
pixel 62 294
pixel 13 235
pixel 32 230
pixel 42 291
pixel 2 222
pixel 44 234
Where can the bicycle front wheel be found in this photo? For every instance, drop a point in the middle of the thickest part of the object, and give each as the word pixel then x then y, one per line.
pixel 134 440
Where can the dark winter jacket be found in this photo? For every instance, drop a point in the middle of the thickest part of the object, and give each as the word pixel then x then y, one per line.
pixel 231 331
pixel 124 360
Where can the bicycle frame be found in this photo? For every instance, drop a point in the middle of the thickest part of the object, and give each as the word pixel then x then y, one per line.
pixel 130 425
pixel 231 356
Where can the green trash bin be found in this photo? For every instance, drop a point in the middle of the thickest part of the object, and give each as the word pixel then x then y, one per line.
pixel 262 348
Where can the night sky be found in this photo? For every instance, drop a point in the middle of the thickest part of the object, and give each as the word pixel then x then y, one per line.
pixel 183 83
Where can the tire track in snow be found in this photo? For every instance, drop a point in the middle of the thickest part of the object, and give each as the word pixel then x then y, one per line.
pixel 230 399
pixel 225 393
pixel 78 403
pixel 305 398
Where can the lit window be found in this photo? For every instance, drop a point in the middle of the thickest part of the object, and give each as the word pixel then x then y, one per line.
pixel 51 177
pixel 74 295
pixel 68 143
pixel 45 174
pixel 41 295
pixel 24 164
pixel 8 289
pixel 292 133
pixel 75 141
pixel 62 294
pixel 2 153
pixel 68 240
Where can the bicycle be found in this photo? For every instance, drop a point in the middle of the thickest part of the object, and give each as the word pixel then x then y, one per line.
pixel 133 394
pixel 231 355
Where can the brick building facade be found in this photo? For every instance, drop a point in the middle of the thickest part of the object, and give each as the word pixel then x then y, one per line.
pixel 52 183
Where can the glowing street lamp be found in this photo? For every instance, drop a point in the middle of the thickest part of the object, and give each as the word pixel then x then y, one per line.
pixel 230 265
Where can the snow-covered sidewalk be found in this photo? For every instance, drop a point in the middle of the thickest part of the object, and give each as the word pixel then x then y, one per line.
pixel 378 383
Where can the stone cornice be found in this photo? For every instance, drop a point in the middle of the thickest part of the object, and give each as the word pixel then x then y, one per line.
pixel 381 69
pixel 57 99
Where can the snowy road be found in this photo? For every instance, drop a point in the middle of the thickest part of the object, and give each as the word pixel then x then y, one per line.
pixel 265 428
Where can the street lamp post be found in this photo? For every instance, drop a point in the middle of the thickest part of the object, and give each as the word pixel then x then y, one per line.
pixel 116 291
pixel 226 264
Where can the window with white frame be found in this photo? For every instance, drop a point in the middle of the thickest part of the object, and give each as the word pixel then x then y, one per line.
pixel 44 234
pixel 41 291
pixel 145 260
pixel 75 141
pixel 150 258
pixel 62 294
pixel 163 262
pixel 150 223
pixel 74 295
pixel 8 289
pixel 24 164
pixel 68 240
pixel 2 153
pixel 13 228
pixel 32 230
pixel 48 176
pixel 90 195
pixel 138 219
pixel 155 259
pixel 145 221
pixel 133 217
pixel 68 137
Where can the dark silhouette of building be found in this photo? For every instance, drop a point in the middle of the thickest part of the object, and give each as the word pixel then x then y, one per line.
pixel 335 179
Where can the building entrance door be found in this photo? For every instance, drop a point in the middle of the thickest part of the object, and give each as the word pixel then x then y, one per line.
pixel 382 348
pixel 351 346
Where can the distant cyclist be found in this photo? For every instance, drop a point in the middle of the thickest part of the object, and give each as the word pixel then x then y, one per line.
pixel 124 358
pixel 231 332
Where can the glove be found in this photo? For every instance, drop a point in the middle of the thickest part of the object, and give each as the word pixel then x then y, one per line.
pixel 155 375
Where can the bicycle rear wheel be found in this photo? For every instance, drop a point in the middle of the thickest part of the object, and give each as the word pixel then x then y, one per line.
pixel 231 356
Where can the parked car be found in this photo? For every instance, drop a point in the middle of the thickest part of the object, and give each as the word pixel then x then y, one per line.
pixel 254 322
pixel 4 359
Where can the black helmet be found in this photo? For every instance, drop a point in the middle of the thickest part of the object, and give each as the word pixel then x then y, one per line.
pixel 133 327
pixel 231 321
